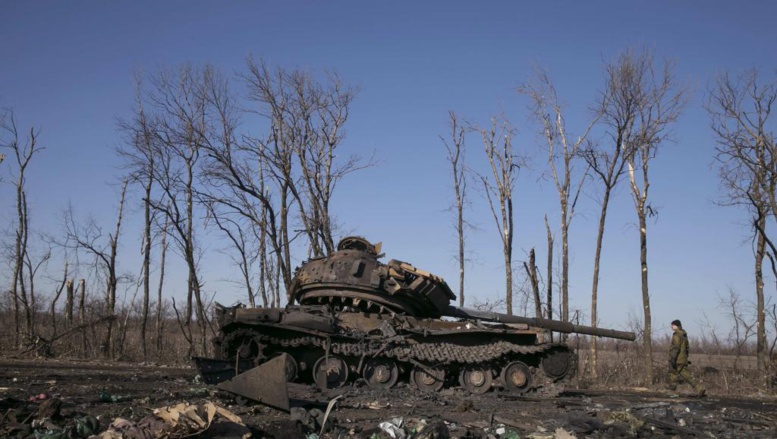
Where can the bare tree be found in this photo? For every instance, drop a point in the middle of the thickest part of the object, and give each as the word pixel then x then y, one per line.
pixel 235 192
pixel 295 160
pixel 305 118
pixel 455 154
pixel 562 154
pixel 179 103
pixel 658 103
pixel 742 322
pixel 139 154
pixel 55 299
pixel 22 292
pixel 617 103
pixel 245 251
pixel 505 164
pixel 323 109
pixel 89 238
pixel 531 271
pixel 740 109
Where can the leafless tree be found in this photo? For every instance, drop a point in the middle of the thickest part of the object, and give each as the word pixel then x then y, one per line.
pixel 179 104
pixel 742 322
pixel 456 150
pixel 55 299
pixel 243 249
pixel 618 104
pixel 531 271
pixel 261 180
pixel 90 238
pixel 305 118
pixel 22 292
pixel 740 108
pixel 658 101
pixel 139 154
pixel 323 110
pixel 505 164
pixel 235 176
pixel 562 156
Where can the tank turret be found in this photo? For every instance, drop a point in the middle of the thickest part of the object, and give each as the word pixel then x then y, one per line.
pixel 354 277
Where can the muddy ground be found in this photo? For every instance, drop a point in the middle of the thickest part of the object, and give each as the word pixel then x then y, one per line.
pixel 108 391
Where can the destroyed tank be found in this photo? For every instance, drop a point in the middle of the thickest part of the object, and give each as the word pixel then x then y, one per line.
pixel 357 317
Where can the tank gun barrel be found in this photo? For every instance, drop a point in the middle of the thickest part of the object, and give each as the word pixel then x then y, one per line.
pixel 553 325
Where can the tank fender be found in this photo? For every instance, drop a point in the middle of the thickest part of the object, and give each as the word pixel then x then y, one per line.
pixel 257 315
pixel 306 320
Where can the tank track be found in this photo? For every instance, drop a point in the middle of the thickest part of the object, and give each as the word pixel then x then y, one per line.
pixel 429 353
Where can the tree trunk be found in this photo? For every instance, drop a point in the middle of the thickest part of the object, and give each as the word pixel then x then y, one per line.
pixel 549 294
pixel 762 360
pixel 460 228
pixel 159 320
pixel 595 282
pixel 82 314
pixel 69 302
pixel 531 270
pixel 53 307
pixel 564 264
pixel 647 336
pixel 108 344
pixel 146 263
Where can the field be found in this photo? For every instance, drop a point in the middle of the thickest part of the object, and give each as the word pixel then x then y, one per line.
pixel 108 391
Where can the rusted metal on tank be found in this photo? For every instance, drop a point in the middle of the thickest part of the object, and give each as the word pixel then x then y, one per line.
pixel 265 384
pixel 354 277
pixel 359 317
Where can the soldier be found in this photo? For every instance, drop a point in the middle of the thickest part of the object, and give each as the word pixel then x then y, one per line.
pixel 678 360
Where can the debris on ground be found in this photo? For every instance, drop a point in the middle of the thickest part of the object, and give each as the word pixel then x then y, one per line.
pixel 179 421
pixel 63 401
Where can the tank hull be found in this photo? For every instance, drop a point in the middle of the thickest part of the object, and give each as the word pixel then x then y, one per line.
pixel 333 348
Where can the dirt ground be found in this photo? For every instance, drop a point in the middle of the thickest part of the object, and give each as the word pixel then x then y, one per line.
pixel 108 391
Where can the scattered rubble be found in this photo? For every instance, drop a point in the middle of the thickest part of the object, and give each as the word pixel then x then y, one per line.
pixel 73 400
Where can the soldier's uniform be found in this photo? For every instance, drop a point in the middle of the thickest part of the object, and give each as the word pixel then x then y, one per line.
pixel 678 360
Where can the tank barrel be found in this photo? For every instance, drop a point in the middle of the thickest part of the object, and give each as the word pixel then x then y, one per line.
pixel 553 325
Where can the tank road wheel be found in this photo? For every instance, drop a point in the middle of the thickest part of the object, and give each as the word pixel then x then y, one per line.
pixel 291 366
pixel 476 379
pixel 380 373
pixel 516 377
pixel 427 379
pixel 557 364
pixel 244 345
pixel 330 372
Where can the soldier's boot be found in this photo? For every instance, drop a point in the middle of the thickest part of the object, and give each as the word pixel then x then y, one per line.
pixel 672 385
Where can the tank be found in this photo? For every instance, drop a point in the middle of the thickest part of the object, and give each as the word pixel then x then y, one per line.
pixel 357 318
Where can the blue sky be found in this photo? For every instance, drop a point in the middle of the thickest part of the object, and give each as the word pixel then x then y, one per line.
pixel 67 66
